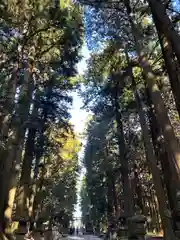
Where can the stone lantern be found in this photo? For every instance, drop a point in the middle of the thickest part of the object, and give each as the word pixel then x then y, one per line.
pixel 122 226
pixel 136 227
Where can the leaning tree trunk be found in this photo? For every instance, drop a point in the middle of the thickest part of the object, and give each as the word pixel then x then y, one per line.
pixel 158 10
pixel 163 156
pixel 170 62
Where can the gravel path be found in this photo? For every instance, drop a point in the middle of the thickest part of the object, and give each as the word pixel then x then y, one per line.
pixel 84 237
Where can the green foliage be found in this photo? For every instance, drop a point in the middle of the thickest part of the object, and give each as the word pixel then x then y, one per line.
pixel 135 48
pixel 62 169
pixel 43 39
pixel 107 79
pixel 94 190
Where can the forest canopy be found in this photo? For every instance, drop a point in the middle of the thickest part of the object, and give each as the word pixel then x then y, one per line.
pixel 40 45
pixel 131 87
pixel 131 90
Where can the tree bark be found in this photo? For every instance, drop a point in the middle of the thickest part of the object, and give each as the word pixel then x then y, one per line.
pixel 164 158
pixel 24 190
pixel 151 161
pixel 160 16
pixel 38 154
pixel 156 209
pixel 138 188
pixel 15 146
pixel 159 106
pixel 115 197
pixel 128 210
pixel 5 119
pixel 110 203
pixel 8 105
pixel 170 62
pixel 23 193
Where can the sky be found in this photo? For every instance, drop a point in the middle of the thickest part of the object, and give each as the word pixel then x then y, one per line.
pixel 79 117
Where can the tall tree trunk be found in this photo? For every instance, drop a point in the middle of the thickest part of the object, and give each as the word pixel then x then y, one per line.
pixel 163 156
pixel 33 206
pixel 23 192
pixel 15 145
pixel 159 106
pixel 152 162
pixel 116 208
pixel 161 18
pixel 8 104
pixel 151 227
pixel 38 154
pixel 110 203
pixel 35 198
pixel 5 118
pixel 138 188
pixel 156 210
pixel 128 211
pixel 170 62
